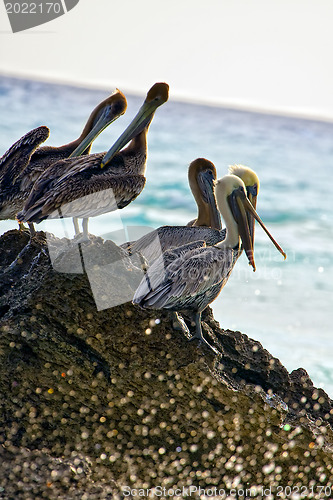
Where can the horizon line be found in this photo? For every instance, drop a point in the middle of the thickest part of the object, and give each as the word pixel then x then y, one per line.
pixel 179 96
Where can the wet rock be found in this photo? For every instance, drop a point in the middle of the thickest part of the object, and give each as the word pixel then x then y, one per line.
pixel 110 400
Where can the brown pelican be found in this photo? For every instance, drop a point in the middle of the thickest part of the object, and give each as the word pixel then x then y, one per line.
pixel 183 279
pixel 201 179
pixel 99 183
pixel 23 163
pixel 11 163
pixel 207 226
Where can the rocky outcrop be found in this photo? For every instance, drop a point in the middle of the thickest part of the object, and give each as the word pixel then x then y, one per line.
pixel 101 402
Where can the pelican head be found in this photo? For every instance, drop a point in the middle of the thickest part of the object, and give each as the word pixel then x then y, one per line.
pixel 201 178
pixel 157 95
pixel 105 113
pixel 252 184
pixel 250 179
pixel 235 207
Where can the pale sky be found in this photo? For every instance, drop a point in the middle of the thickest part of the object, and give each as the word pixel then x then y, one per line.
pixel 275 55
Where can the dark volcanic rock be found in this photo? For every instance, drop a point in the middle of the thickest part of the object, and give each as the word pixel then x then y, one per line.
pixel 96 400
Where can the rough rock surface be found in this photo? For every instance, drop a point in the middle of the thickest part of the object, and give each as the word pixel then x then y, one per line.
pixel 108 403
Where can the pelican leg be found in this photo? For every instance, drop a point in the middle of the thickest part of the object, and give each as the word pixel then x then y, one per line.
pixel 32 229
pixel 81 237
pixel 85 228
pixel 198 332
pixel 76 225
pixel 179 324
pixel 22 227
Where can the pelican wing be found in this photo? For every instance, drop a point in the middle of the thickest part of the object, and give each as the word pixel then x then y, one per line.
pixel 43 185
pixel 91 165
pixel 42 164
pixel 61 171
pixel 187 279
pixel 158 272
pixel 153 244
pixel 79 165
pixel 58 172
pixel 77 197
pixel 18 155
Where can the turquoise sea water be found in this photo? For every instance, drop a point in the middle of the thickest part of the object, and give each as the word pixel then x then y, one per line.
pixel 287 306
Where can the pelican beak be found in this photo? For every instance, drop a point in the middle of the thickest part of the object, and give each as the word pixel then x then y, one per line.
pixel 241 216
pixel 139 122
pixel 252 194
pixel 156 96
pixel 241 208
pixel 206 182
pixel 108 115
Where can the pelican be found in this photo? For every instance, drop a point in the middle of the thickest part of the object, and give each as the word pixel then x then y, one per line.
pixel 99 183
pixel 183 279
pixel 23 163
pixel 11 163
pixel 207 226
pixel 201 179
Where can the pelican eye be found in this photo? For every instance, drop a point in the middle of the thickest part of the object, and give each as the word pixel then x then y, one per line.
pixel 252 189
pixel 207 172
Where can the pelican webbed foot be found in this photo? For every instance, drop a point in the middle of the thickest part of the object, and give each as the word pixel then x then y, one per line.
pixel 23 228
pixel 199 334
pixel 32 229
pixel 179 324
pixel 81 238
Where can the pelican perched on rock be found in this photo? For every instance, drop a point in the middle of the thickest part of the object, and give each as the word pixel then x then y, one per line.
pixel 23 163
pixel 201 178
pixel 11 163
pixel 190 279
pixel 99 183
pixel 207 226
